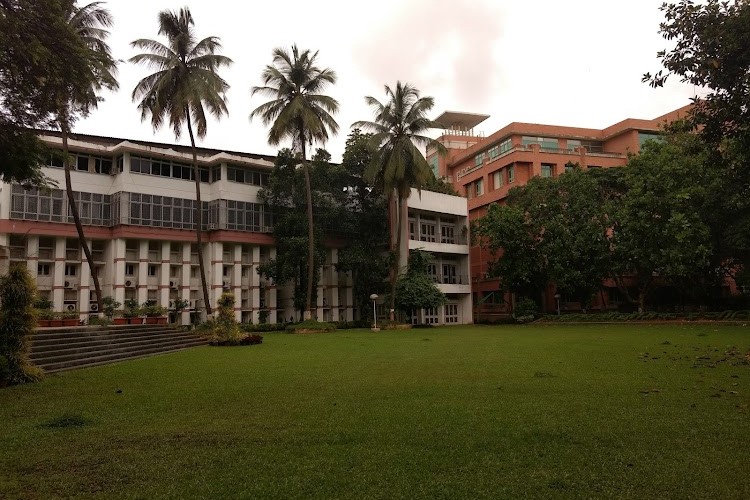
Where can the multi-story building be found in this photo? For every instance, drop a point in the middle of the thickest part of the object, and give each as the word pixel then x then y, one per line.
pixel 137 202
pixel 484 169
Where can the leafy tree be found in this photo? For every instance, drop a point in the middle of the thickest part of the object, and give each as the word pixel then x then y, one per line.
pixel 659 234
pixel 43 62
pixel 186 84
pixel 88 23
pixel 708 49
pixel 365 220
pixel 398 164
pixel 299 112
pixel 17 324
pixel 415 289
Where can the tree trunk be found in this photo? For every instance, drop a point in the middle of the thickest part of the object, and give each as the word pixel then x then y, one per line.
pixel 199 218
pixel 64 127
pixel 393 273
pixel 310 232
pixel 396 255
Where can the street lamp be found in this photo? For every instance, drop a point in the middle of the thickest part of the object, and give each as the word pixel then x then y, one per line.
pixel 557 298
pixel 374 297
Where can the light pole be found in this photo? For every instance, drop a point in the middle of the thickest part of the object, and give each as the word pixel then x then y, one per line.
pixel 374 297
pixel 557 299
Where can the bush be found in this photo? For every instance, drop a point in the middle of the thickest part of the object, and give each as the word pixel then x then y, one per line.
pixel 263 327
pixel 226 330
pixel 251 339
pixel 525 310
pixel 17 323
pixel 311 325
pixel 4 371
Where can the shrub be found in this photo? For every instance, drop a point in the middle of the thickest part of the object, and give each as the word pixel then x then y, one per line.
pixel 226 330
pixel 109 305
pixel 132 309
pixel 311 325
pixel 525 310
pixel 17 323
pixel 4 371
pixel 251 339
pixel 263 327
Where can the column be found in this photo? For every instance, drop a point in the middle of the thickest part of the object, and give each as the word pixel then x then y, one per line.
pixel 236 257
pixel 166 248
pixel 255 285
pixel 142 291
pixel 184 293
pixel 32 254
pixel 334 285
pixel 58 289
pixel 85 286
pixel 215 274
pixel 118 274
pixel 272 290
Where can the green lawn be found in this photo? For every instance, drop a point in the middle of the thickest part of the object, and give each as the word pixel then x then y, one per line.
pixel 504 412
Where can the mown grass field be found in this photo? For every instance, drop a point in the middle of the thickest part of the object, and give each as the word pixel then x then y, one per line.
pixel 563 411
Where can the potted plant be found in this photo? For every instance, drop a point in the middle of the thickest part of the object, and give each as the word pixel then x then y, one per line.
pixel 155 314
pixel 44 311
pixel 109 304
pixel 71 317
pixel 56 319
pixel 118 317
pixel 179 306
pixel 132 312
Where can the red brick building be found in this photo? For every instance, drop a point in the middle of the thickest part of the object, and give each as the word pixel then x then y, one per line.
pixel 484 169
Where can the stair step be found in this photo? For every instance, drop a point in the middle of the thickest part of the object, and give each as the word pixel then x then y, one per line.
pixel 107 359
pixel 103 345
pixel 83 332
pixel 46 344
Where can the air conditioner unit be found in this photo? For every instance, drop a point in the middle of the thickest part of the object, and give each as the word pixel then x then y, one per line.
pixel 174 284
pixel 171 304
pixel 94 307
pixel 227 284
pixel 68 284
pixel 70 307
pixel 213 225
pixel 129 283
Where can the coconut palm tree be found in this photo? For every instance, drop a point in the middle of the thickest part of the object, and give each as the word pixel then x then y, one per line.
pixel 184 86
pixel 298 112
pixel 77 98
pixel 398 164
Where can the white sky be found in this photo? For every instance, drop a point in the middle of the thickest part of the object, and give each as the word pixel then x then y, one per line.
pixel 574 62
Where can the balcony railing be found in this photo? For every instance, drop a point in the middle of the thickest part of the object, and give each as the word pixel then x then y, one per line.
pixel 450 279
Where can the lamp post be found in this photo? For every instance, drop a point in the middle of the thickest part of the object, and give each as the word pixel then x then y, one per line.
pixel 374 297
pixel 557 299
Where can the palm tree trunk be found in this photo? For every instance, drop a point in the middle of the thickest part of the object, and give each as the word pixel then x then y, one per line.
pixel 65 129
pixel 310 233
pixel 199 218
pixel 397 255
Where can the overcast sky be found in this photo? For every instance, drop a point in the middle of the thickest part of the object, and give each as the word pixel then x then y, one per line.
pixel 577 62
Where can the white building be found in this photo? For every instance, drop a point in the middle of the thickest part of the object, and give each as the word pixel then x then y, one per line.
pixel 137 201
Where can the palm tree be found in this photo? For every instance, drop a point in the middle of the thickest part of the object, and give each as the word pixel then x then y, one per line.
pixel 185 84
pixel 398 164
pixel 300 113
pixel 79 97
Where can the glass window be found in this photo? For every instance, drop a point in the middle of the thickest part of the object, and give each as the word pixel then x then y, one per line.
pixel 479 187
pixel 71 270
pixel 511 174
pixel 497 179
pixel 546 170
pixel 42 269
pixel 152 270
pixel 81 162
pixel 478 159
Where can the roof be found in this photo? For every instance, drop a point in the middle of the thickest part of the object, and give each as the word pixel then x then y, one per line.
pixel 460 121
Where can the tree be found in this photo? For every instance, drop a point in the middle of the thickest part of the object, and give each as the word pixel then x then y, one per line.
pixel 709 43
pixel 42 59
pixel 398 164
pixel 415 289
pixel 659 233
pixel 185 84
pixel 298 112
pixel 88 23
pixel 365 220
pixel 17 324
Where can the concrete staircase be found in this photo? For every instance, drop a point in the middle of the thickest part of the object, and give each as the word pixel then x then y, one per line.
pixel 58 349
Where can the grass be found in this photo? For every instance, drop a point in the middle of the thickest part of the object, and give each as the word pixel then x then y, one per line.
pixel 553 411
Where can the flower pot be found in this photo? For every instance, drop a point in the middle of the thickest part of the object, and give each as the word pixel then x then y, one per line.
pixel 152 320
pixel 55 322
pixel 135 321
pixel 70 322
pixel 43 323
pixel 161 320
pixel 120 321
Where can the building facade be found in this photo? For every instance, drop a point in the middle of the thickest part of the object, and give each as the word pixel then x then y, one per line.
pixel 484 169
pixel 137 202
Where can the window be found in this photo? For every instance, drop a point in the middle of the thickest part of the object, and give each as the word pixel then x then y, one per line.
pixel 42 269
pixel 103 165
pixel 55 160
pixel 152 270
pixel 493 152
pixel 226 271
pixel 643 137
pixel 570 166
pixel 129 270
pixel 451 313
pixel 427 232
pixel 431 315
pixel 434 162
pixel 247 176
pixel 546 170
pixel 497 179
pixel 478 159
pixel 573 144
pixel 81 162
pixel 449 274
pixel 447 234
pixel 479 187
pixel 71 270
pixel 215 174
pixel 166 168
pixel 193 272
pixel 549 143
pixel 511 174
pixel 505 146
